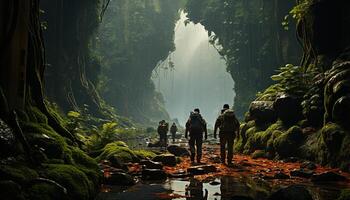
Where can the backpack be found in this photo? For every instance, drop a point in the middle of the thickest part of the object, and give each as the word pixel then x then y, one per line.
pixel 229 122
pixel 196 123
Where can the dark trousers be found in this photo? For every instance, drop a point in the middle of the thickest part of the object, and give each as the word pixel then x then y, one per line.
pixel 226 139
pixel 195 144
pixel 173 135
pixel 163 139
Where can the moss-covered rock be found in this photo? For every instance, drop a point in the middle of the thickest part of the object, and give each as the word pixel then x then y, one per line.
pixel 287 144
pixel 259 154
pixel 123 153
pixel 74 180
pixel 144 154
pixel 17 172
pixel 45 191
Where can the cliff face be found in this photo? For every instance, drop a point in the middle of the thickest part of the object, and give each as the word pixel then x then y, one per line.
pixel 251 37
pixel 133 38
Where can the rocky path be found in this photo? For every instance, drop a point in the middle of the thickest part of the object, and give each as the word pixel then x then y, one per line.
pixel 247 178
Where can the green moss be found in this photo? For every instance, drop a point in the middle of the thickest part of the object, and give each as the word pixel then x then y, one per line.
pixel 43 136
pixel 144 154
pixel 121 144
pixel 76 182
pixel 287 144
pixel 259 154
pixel 35 115
pixel 17 172
pixel 345 195
pixel 45 191
pixel 114 149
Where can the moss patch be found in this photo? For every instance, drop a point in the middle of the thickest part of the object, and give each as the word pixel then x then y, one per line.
pixel 17 172
pixel 114 149
pixel 287 144
pixel 345 195
pixel 74 180
pixel 144 154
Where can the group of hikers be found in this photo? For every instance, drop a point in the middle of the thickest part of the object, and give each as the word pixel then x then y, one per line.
pixel 196 127
pixel 163 129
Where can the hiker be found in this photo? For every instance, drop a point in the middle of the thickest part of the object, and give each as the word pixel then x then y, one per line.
pixel 162 130
pixel 229 128
pixel 173 130
pixel 196 125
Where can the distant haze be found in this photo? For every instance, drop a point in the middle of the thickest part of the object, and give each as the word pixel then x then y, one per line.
pixel 199 78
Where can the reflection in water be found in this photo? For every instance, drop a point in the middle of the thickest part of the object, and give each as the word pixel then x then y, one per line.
pixel 194 191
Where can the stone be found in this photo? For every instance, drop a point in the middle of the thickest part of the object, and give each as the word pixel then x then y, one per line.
pixel 166 159
pixel 148 164
pixel 116 162
pixel 262 112
pixel 301 173
pixel 153 174
pixel 119 178
pixel 308 165
pixel 328 177
pixel 180 174
pixel 288 109
pixel 178 151
pixel 201 169
pixel 294 192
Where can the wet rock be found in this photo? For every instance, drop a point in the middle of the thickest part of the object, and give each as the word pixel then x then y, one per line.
pixel 153 174
pixel 308 165
pixel 259 154
pixel 116 162
pixel 294 192
pixel 302 173
pixel 179 174
pixel 262 112
pixel 288 109
pixel 201 169
pixel 281 175
pixel 166 159
pixel 328 177
pixel 148 164
pixel 119 178
pixel 178 151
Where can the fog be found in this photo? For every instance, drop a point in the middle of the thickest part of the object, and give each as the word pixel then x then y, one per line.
pixel 197 77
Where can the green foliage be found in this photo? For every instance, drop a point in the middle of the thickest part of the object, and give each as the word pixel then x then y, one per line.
pixel 17 172
pixel 300 10
pixel 144 154
pixel 345 195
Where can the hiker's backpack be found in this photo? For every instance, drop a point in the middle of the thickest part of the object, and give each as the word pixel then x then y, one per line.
pixel 229 122
pixel 196 123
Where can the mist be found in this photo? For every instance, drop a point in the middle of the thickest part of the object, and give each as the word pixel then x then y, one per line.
pixel 194 75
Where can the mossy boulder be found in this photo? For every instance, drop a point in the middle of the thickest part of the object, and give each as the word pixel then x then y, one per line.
pixel 76 182
pixel 17 172
pixel 114 149
pixel 259 154
pixel 144 154
pixel 262 112
pixel 288 109
pixel 287 144
pixel 45 191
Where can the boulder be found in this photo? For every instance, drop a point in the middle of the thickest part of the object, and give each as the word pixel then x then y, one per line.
pixel 148 164
pixel 288 109
pixel 116 162
pixel 262 112
pixel 328 177
pixel 180 174
pixel 166 159
pixel 178 151
pixel 201 169
pixel 308 165
pixel 302 173
pixel 294 192
pixel 119 178
pixel 153 174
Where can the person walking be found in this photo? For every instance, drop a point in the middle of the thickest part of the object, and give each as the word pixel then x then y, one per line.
pixel 196 126
pixel 162 130
pixel 228 126
pixel 173 130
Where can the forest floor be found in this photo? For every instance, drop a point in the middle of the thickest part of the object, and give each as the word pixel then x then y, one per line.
pixel 255 178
